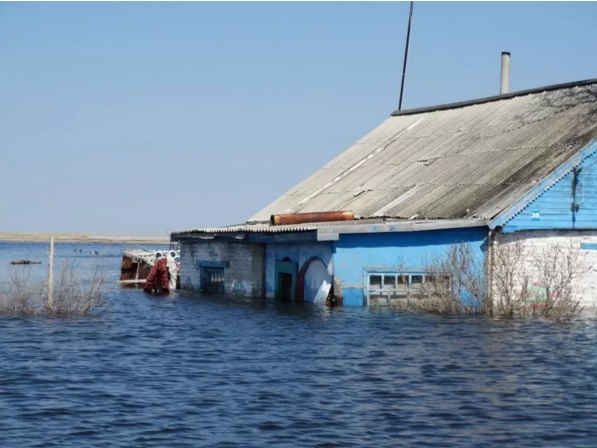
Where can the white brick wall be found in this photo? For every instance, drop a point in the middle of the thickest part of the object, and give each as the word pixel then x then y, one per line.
pixel 242 277
pixel 189 276
pixel 538 242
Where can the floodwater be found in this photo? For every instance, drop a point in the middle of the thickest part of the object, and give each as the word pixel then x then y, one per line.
pixel 188 371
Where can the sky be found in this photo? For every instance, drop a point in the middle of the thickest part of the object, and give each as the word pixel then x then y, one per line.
pixel 144 118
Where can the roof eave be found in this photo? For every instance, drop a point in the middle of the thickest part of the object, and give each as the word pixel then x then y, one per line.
pixel 326 232
pixel 403 226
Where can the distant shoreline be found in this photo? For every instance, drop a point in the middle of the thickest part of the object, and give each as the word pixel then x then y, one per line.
pixel 25 237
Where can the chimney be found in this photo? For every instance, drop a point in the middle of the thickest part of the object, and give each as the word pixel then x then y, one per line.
pixel 505 79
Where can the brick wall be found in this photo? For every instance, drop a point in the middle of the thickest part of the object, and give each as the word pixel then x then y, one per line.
pixel 537 244
pixel 242 277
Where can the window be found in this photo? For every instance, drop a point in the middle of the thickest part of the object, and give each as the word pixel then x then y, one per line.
pixel 384 287
pixel 416 280
pixel 389 282
pixel 402 279
pixel 375 281
pixel 213 280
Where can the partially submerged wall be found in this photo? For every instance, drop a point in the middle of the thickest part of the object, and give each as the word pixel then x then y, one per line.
pixel 299 254
pixel 359 256
pixel 577 246
pixel 242 265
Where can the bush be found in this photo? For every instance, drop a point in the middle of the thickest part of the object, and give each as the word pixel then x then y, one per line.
pixel 454 283
pixel 18 297
pixel 536 282
pixel 523 283
pixel 73 293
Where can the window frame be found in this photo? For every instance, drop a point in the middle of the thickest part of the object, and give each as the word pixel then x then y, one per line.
pixel 398 292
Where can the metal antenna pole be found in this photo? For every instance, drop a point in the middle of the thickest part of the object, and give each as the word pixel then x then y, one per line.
pixel 410 16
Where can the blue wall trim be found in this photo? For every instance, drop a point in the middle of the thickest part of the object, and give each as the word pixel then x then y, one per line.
pixel 211 264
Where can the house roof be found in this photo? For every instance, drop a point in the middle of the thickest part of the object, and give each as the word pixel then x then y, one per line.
pixel 331 230
pixel 468 160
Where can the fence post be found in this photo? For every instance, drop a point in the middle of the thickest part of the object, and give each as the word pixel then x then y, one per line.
pixel 51 273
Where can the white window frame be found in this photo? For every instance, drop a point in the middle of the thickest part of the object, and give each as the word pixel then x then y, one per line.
pixel 397 292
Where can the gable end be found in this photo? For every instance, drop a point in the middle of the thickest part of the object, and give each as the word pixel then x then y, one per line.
pixel 567 199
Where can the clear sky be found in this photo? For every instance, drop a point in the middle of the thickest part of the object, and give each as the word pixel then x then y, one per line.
pixel 150 117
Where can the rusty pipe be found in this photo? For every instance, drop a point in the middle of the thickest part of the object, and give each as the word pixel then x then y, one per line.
pixel 300 218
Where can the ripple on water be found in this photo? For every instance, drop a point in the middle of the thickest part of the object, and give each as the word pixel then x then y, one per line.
pixel 187 371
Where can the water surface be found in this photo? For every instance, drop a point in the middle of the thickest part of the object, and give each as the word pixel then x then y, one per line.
pixel 195 371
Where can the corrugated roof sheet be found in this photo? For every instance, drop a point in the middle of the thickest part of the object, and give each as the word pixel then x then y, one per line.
pixel 358 226
pixel 266 228
pixel 247 228
pixel 466 160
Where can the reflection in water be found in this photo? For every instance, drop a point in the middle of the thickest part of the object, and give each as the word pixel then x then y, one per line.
pixel 194 371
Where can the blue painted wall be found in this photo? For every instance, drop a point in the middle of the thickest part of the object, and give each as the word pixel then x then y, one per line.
pixel 356 254
pixel 298 253
pixel 558 208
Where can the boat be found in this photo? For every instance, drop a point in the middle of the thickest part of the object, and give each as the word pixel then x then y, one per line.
pixel 137 263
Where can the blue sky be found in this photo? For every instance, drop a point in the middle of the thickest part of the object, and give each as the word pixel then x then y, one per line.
pixel 149 117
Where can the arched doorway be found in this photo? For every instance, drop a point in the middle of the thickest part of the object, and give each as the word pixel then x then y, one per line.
pixel 314 282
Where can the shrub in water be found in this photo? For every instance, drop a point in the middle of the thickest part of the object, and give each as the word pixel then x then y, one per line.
pixel 73 293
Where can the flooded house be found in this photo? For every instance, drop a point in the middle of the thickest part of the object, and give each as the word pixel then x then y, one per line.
pixel 516 167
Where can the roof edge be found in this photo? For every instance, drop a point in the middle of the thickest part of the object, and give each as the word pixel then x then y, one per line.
pixel 490 99
pixel 327 231
pixel 397 226
pixel 546 184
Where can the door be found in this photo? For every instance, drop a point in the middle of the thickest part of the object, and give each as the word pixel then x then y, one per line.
pixel 285 281
pixel 286 273
pixel 213 280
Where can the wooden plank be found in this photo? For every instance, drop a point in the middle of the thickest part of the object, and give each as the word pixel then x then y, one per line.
pixel 131 282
